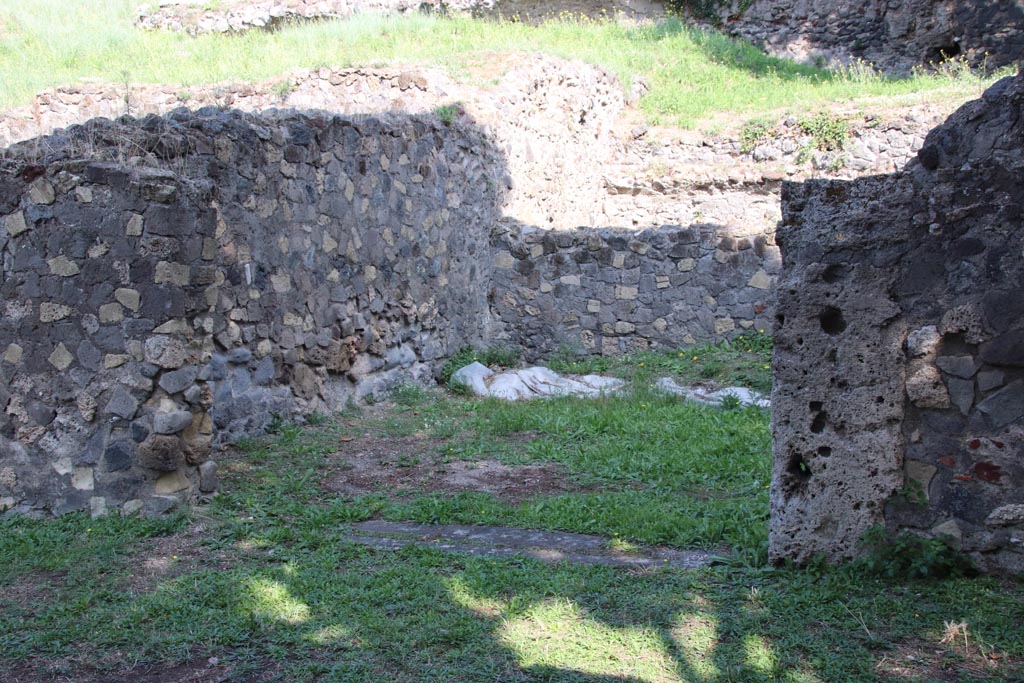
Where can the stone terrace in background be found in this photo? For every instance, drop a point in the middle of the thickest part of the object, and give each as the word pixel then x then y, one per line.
pixel 899 348
pixel 195 16
pixel 552 119
pixel 895 35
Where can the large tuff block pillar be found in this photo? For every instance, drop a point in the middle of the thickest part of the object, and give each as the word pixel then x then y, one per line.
pixel 899 361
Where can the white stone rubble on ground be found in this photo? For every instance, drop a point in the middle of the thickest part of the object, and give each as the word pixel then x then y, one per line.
pixel 540 382
pixel 705 396
pixel 535 382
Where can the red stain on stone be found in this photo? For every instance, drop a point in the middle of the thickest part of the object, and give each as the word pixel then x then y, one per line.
pixel 31 172
pixel 946 460
pixel 988 471
pixel 759 308
pixel 997 444
pixel 963 477
pixel 974 443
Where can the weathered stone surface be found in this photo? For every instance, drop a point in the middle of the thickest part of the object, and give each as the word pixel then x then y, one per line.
pixel 13 353
pixel 1007 515
pixel 208 480
pixel 172 482
pixel 926 389
pixel 127 297
pixel 923 341
pixel 958 366
pixel 40 191
pixel 178 380
pixel 165 351
pixel 63 266
pixel 15 224
pixel 896 35
pixel 61 358
pixel 1006 405
pixel 50 312
pixel 171 422
pixel 961 393
pixel 161 453
pixel 121 403
pixel 1005 350
pixel 921 253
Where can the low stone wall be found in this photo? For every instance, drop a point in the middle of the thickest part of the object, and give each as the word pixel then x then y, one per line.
pixel 617 291
pixel 899 357
pixel 199 274
pixel 551 119
pixel 896 35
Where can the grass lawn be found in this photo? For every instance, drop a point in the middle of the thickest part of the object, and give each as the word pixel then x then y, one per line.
pixel 695 76
pixel 262 585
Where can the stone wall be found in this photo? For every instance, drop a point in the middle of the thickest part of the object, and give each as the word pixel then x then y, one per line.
pixel 198 274
pixel 893 34
pixel 899 362
pixel 617 291
pixel 551 119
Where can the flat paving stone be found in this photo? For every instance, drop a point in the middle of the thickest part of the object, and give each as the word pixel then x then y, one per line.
pixel 492 541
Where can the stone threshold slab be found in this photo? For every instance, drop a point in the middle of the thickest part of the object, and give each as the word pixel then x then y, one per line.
pixel 503 542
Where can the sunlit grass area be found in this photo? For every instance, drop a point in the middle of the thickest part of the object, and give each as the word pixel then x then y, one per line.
pixel 265 583
pixel 693 74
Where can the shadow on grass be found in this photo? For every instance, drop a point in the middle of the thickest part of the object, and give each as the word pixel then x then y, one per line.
pixel 296 600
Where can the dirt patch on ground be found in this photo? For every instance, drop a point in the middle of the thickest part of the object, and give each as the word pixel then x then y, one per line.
pixel 164 558
pixel 407 466
pixel 31 589
pixel 951 660
pixel 196 671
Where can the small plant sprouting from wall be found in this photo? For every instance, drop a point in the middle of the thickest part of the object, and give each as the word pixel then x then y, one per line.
pixel 282 89
pixel 753 133
pixel 829 132
pixel 448 113
pixel 906 556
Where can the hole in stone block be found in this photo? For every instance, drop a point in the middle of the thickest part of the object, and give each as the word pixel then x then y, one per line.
pixel 780 320
pixel 819 422
pixel 832 321
pixel 834 273
pixel 815 406
pixel 824 451
pixel 832 356
pixel 798 473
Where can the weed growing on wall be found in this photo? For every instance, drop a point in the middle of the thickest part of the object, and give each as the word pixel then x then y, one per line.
pixel 753 133
pixel 906 556
pixel 828 131
pixel 448 113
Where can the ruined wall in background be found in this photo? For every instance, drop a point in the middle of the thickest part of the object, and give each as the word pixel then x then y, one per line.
pixel 896 35
pixel 899 357
pixel 617 291
pixel 551 119
pixel 222 270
